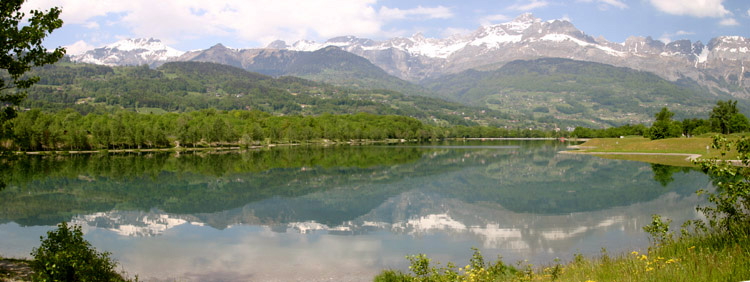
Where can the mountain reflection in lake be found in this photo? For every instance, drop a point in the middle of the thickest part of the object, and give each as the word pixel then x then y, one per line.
pixel 341 213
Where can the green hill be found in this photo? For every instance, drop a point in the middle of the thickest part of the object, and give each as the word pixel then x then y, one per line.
pixel 575 92
pixel 332 65
pixel 186 86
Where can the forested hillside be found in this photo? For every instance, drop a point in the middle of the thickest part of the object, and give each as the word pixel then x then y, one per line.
pixel 187 86
pixel 330 65
pixel 582 93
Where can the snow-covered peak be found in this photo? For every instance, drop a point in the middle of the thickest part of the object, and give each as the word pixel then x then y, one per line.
pixel 129 51
pixel 306 45
pixel 732 39
pixel 522 22
pixel 143 44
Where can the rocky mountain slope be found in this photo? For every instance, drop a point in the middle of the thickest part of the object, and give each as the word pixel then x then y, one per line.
pixel 718 65
pixel 327 64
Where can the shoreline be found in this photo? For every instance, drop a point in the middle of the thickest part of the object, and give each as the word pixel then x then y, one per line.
pixel 319 143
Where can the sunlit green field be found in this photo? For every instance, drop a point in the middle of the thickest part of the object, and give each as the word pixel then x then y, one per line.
pixel 696 145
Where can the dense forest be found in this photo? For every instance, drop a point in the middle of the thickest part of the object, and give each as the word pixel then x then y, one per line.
pixel 69 130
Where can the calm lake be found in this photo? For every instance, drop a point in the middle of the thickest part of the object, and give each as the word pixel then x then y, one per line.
pixel 340 213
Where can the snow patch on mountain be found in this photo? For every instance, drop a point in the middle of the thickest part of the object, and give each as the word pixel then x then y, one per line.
pixel 565 37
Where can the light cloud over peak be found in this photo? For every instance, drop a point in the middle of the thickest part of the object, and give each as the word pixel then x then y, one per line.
pixel 438 12
pixel 492 19
pixel 667 37
pixel 729 22
pixel 77 48
pixel 605 4
pixel 528 5
pixel 701 8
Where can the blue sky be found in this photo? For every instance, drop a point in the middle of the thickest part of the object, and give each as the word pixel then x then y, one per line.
pixel 198 24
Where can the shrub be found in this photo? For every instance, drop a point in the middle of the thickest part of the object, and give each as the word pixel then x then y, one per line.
pixel 730 214
pixel 65 256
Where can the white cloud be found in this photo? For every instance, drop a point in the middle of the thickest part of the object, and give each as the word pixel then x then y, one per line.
pixel 438 12
pixel 77 48
pixel 528 6
pixel 667 37
pixel 748 12
pixel 252 20
pixel 91 25
pixel 729 22
pixel 700 8
pixel 454 31
pixel 614 3
pixel 605 4
pixel 491 19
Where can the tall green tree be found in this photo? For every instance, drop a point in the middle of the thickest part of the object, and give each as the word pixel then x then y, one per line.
pixel 723 117
pixel 21 49
pixel 664 126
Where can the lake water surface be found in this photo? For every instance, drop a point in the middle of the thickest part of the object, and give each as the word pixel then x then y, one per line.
pixel 340 213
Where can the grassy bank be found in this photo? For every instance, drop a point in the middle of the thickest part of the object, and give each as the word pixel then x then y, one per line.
pixel 671 151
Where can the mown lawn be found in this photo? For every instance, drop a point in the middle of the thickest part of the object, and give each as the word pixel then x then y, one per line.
pixel 696 145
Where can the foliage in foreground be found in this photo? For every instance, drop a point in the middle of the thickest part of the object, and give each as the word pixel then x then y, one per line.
pixel 65 256
pixel 21 48
pixel 717 249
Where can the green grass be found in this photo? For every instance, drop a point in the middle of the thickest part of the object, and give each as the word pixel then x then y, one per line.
pixel 691 258
pixel 695 145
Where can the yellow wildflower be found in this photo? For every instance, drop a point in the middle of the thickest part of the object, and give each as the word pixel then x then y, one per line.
pixel 590 281
pixel 649 269
pixel 643 257
pixel 634 253
pixel 691 248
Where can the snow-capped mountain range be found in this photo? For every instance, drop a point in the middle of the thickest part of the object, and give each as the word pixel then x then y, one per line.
pixel 137 51
pixel 716 65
